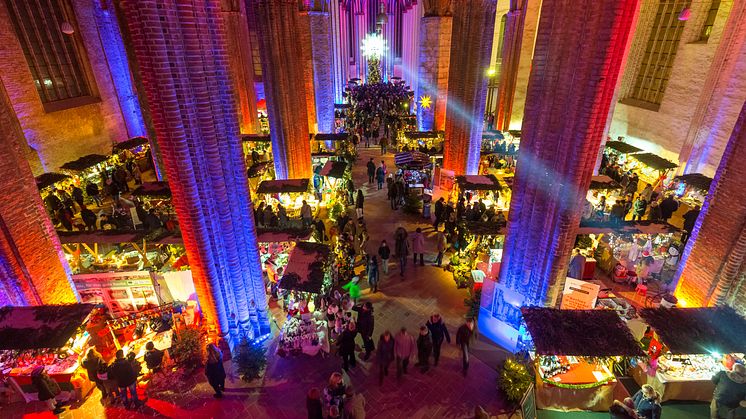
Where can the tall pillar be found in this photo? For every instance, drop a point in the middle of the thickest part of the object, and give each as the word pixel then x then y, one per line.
pixel 181 50
pixel 712 267
pixel 278 23
pixel 518 49
pixel 241 63
pixel 434 59
pixel 31 267
pixel 723 93
pixel 579 50
pixel 323 71
pixel 306 43
pixel 471 46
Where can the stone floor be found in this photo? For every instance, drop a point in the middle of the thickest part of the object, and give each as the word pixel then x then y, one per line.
pixel 442 392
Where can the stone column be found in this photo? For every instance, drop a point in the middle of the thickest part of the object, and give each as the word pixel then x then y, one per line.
pixel 578 55
pixel 306 41
pixel 280 42
pixel 723 93
pixel 712 264
pixel 241 64
pixel 32 270
pixel 471 45
pixel 432 76
pixel 181 49
pixel 323 70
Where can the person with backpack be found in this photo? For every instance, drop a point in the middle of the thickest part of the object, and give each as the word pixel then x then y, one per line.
pixel 125 376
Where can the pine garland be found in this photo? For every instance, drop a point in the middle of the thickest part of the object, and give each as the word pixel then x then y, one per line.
pixel 515 378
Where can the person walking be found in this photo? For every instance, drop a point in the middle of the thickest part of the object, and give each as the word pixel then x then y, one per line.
pixel 373 273
pixel 404 346
pixel 91 189
pixel 418 246
pixel 125 376
pixel 354 404
pixel 306 214
pixel 402 248
pixel 384 354
pixel 690 218
pixel 464 336
pixel 214 370
pixel 730 390
pixel 384 144
pixel 442 244
pixel 347 346
pixel 639 207
pixel 668 207
pixel 371 170
pixel 365 325
pixel 424 349
pixel 438 333
pixel 440 206
pixel 384 251
pixel 359 201
pixel 380 177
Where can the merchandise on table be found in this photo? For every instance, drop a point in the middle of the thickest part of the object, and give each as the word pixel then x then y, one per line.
pixel 305 334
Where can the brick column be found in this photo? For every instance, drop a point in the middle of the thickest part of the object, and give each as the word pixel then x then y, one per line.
pixel 181 50
pixel 511 55
pixel 323 61
pixel 31 267
pixel 280 44
pixel 306 41
pixel 432 76
pixel 712 265
pixel 241 64
pixel 577 58
pixel 722 95
pixel 471 45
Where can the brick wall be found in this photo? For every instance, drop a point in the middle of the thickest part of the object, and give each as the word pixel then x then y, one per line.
pixel 59 137
pixel 31 271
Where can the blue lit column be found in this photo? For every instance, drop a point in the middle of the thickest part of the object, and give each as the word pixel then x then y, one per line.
pixel 321 44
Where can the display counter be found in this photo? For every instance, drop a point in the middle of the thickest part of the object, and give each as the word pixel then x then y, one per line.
pixel 304 334
pixel 675 388
pixel 573 383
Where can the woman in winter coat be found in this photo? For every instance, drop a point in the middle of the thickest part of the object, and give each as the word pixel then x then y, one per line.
pixel 384 354
pixel 347 346
pixel 424 349
pixel 92 364
pixel 418 246
pixel 214 370
pixel 46 388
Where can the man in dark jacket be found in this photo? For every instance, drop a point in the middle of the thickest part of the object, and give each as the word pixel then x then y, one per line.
pixel 463 340
pixel 439 212
pixel 438 332
pixel 371 170
pixel 365 324
pixel 153 357
pixel 689 219
pixel 668 207
pixel 347 346
pixel 384 354
pixel 730 391
pixel 125 376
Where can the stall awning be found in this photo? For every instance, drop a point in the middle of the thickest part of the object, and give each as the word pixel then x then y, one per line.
pixel 130 144
pixel 46 180
pixel 654 161
pixel 696 180
pixel 335 169
pixel 698 331
pixel 116 236
pixel 306 267
pixel 493 135
pixel 259 138
pixel 283 186
pixel 626 227
pixel 411 159
pixel 264 235
pixel 84 162
pixel 153 189
pixel 598 333
pixel 479 228
pixel 40 327
pixel 258 169
pixel 478 183
pixel 329 136
pixel 622 147
pixel 604 182
pixel 423 134
pixel 515 133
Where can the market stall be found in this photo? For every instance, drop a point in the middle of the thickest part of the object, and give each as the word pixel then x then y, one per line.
pixel 50 181
pixel 137 148
pixel 133 331
pixel 687 347
pixel 484 187
pixel 256 148
pixel 428 142
pixel 54 337
pixel 602 194
pixel 87 168
pixel 155 197
pixel 652 169
pixel 290 193
pixel 633 252
pixel 275 247
pixel 330 183
pixel 480 247
pixel 574 355
pixel 305 280
pixel 415 168
pixel 691 189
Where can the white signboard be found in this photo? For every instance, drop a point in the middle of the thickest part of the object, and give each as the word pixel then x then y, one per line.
pixel 579 295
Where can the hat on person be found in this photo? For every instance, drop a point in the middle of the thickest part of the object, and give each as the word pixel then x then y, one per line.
pixel 737 374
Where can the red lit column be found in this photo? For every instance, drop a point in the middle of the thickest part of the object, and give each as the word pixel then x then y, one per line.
pixel 283 69
pixel 181 51
pixel 31 267
pixel 712 267
pixel 577 59
pixel 511 55
pixel 471 45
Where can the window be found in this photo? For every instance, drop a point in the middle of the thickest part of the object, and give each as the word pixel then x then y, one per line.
pixel 709 21
pixel 660 51
pixel 52 55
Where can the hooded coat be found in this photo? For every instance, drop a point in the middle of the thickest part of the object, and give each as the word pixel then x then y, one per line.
pixel 730 388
